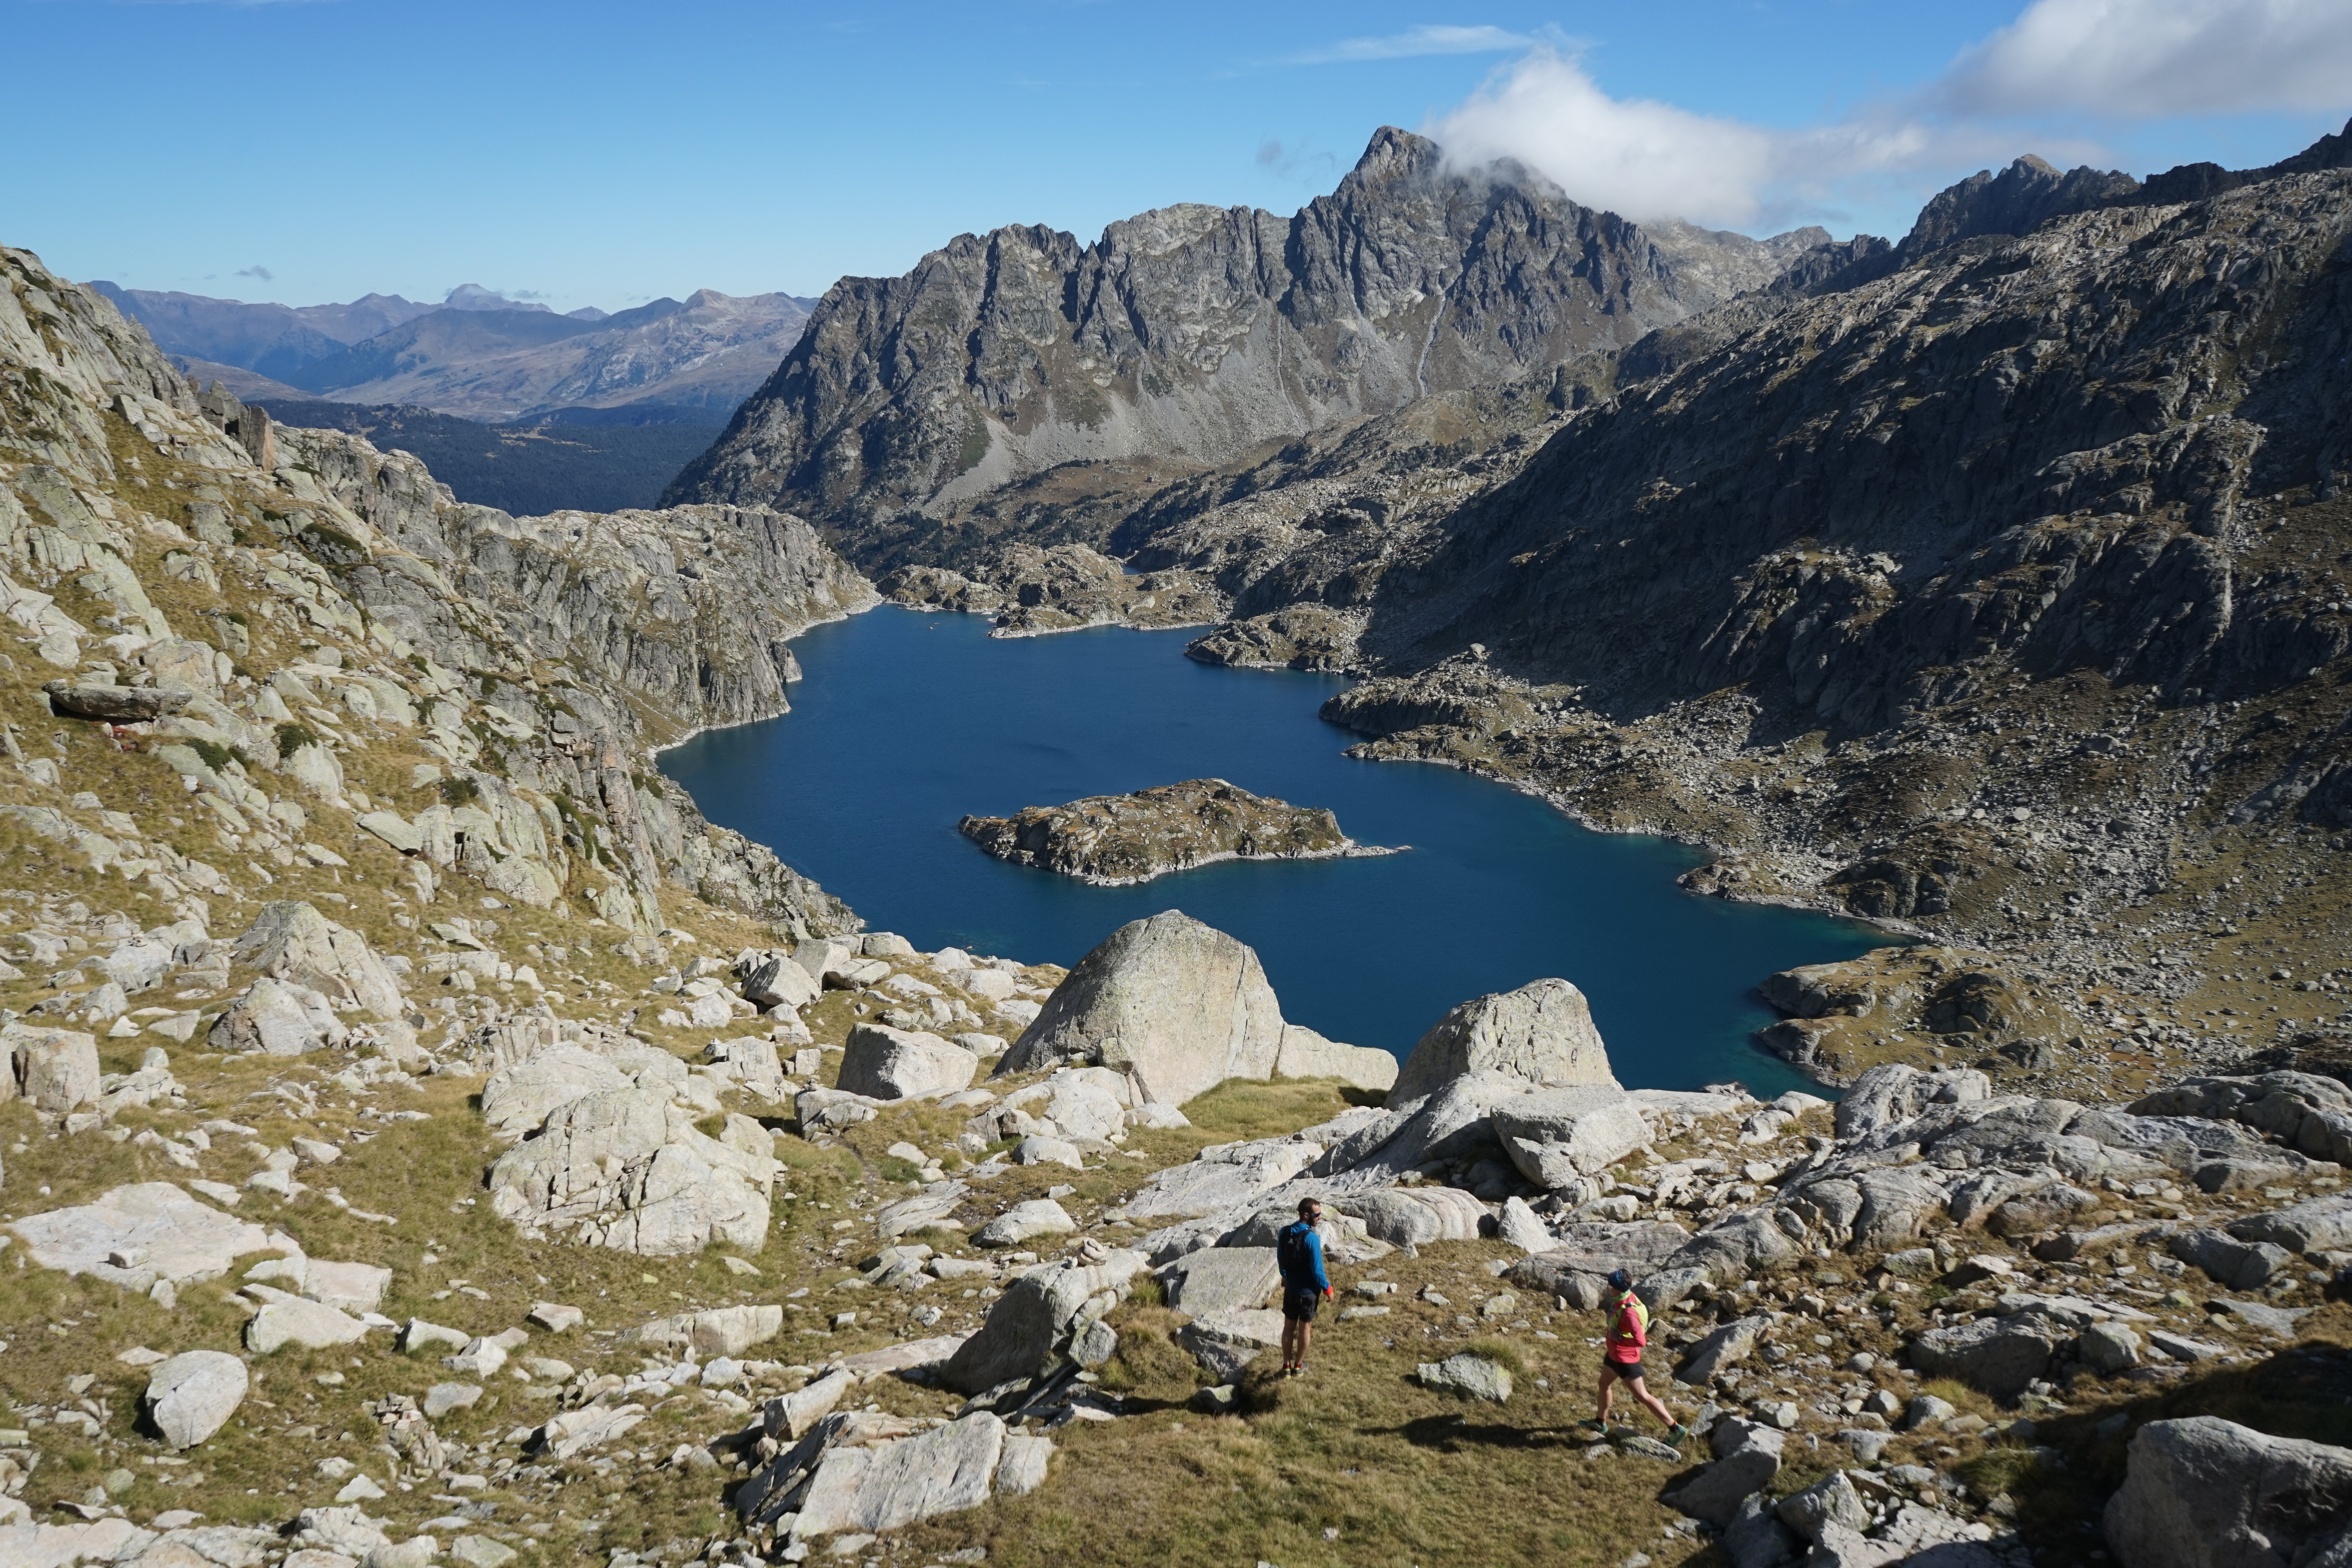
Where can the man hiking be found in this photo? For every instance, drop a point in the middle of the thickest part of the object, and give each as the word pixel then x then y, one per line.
pixel 1620 1357
pixel 1298 1253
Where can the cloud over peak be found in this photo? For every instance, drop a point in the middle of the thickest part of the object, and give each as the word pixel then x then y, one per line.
pixel 2080 62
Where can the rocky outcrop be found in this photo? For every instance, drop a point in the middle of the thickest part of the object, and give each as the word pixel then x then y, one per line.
pixel 855 1473
pixel 1192 333
pixel 627 1169
pixel 1467 1376
pixel 2208 1493
pixel 688 611
pixel 1306 1053
pixel 292 942
pixel 279 1020
pixel 1297 636
pixel 537 660
pixel 1031 591
pixel 671 621
pixel 54 1070
pixel 1115 839
pixel 1747 1456
pixel 113 704
pixel 1842 1013
pixel 137 1236
pixel 891 1485
pixel 610 1153
pixel 1038 1316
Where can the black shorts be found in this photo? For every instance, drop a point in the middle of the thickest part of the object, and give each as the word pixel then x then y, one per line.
pixel 1300 1302
pixel 1627 1371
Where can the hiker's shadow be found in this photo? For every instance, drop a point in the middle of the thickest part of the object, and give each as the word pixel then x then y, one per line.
pixel 1453 1434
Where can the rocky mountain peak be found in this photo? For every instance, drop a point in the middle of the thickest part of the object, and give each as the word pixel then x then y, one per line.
pixel 474 296
pixel 1195 335
pixel 2018 200
pixel 1393 154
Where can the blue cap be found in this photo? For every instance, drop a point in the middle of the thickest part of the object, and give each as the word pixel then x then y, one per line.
pixel 1619 1280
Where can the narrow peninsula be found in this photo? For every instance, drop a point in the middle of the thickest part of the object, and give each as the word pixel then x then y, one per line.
pixel 1116 839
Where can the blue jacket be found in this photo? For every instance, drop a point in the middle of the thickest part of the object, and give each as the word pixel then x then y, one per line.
pixel 1302 1265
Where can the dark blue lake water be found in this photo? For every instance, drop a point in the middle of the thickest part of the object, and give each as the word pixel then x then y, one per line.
pixel 907 722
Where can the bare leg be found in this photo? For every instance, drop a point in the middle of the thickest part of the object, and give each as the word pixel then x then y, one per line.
pixel 1292 1352
pixel 1608 1391
pixel 1655 1406
pixel 1306 1337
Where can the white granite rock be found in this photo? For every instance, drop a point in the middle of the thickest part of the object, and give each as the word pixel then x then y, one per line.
pixel 1178 1005
pixel 277 1018
pixel 192 1395
pixel 883 1063
pixel 1225 1343
pixel 1025 1222
pixel 291 1320
pixel 347 1287
pixel 292 941
pixel 893 1484
pixel 719 1331
pixel 628 1169
pixel 1542 1033
pixel 54 1070
pixel 137 1234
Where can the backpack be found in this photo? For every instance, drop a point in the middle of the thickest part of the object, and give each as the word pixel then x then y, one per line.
pixel 1290 1254
pixel 1628 1321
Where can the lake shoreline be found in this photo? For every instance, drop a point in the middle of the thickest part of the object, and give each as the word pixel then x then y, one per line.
pixel 899 725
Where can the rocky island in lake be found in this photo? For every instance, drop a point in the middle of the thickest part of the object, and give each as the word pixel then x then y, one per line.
pixel 1115 839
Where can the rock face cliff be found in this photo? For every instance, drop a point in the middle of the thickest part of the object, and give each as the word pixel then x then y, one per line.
pixel 2047 450
pixel 529 664
pixel 1199 333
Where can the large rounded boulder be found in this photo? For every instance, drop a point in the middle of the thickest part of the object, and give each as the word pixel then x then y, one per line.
pixel 1178 1005
pixel 1541 1034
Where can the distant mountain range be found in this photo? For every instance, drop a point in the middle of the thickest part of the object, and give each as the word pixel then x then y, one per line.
pixel 481 356
pixel 581 462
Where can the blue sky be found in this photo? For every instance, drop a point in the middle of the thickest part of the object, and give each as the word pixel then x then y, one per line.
pixel 593 152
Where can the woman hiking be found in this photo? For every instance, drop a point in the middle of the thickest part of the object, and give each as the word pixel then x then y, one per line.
pixel 1620 1357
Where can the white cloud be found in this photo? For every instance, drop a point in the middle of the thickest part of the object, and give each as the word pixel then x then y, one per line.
pixel 2080 62
pixel 1415 42
pixel 1644 159
pixel 2134 59
pixel 1637 157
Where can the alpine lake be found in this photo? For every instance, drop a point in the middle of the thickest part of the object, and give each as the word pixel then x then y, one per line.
pixel 906 722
